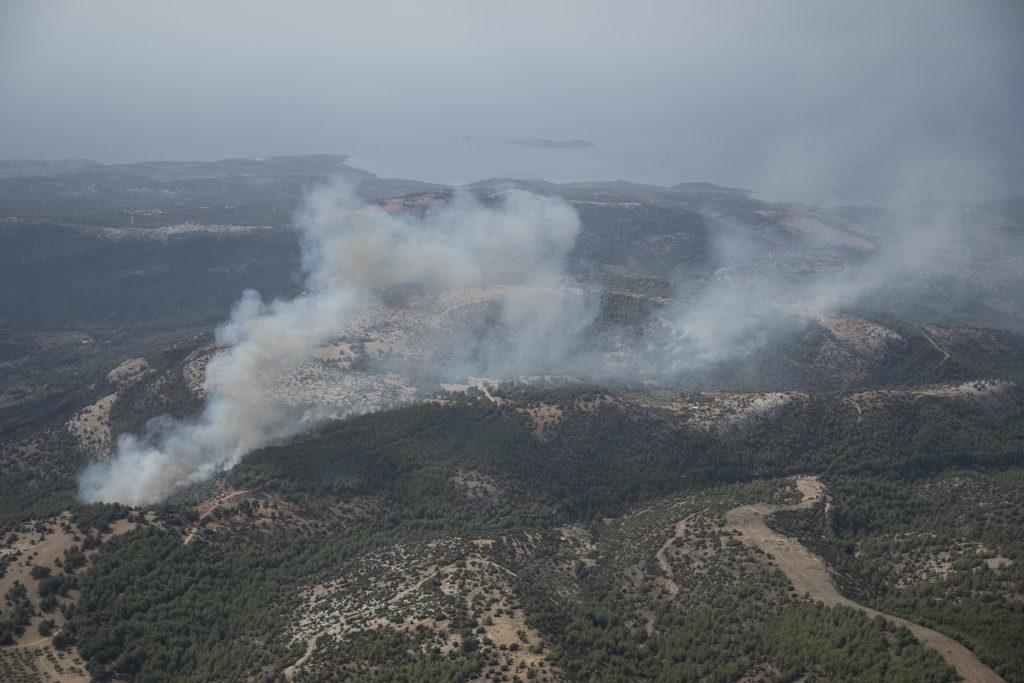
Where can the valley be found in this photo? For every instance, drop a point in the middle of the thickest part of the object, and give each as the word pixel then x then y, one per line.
pixel 694 463
pixel 477 342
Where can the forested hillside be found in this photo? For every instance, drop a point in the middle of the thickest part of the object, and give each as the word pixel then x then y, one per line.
pixel 835 498
pixel 571 525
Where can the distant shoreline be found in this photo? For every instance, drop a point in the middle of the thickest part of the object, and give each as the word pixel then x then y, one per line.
pixel 559 144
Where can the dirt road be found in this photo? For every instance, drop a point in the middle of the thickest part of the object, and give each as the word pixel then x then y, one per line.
pixel 809 574
pixel 664 564
pixel 211 507
pixel 338 627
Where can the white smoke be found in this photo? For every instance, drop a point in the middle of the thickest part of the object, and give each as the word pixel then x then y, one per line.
pixel 750 299
pixel 349 250
pixel 352 252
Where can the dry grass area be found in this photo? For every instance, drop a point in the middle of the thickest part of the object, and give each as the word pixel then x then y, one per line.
pixel 91 426
pixel 546 416
pixel 44 544
pixel 188 228
pixel 701 558
pixel 362 367
pixel 869 339
pixel 579 541
pixel 129 371
pixel 338 352
pixel 994 394
pixel 428 585
pixel 340 392
pixel 231 510
pixel 676 539
pixel 40 664
pixel 339 606
pixel 719 411
pixel 543 416
pixel 857 347
pixel 490 602
pixel 809 227
pixel 484 385
pixel 662 556
pixel 478 486
pixel 927 564
pixel 380 589
pixel 913 558
pixel 219 502
pixel 194 369
pixel 998 562
pixel 677 554
pixel 415 203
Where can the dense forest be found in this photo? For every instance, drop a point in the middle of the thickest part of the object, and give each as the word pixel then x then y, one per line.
pixel 150 604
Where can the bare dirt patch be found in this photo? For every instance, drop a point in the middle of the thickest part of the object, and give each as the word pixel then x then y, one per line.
pixel 231 510
pixel 730 413
pixel 998 562
pixel 179 229
pixel 868 338
pixel 662 558
pixel 194 369
pixel 543 416
pixel 994 394
pixel 722 412
pixel 339 351
pixel 129 371
pixel 91 426
pixel 208 508
pixel 408 587
pixel 810 575
pixel 477 485
pixel 808 226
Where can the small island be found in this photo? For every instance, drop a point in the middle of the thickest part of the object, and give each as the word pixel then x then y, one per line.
pixel 544 142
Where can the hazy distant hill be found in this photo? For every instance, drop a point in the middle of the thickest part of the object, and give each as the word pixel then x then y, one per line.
pixel 557 144
pixel 688 230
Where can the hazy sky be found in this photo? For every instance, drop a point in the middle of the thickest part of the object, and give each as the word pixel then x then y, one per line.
pixel 781 94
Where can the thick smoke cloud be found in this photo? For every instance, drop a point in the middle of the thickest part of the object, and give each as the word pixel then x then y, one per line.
pixel 531 320
pixel 351 250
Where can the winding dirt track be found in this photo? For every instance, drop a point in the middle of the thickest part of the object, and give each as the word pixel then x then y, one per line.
pixel 809 574
pixel 336 628
pixel 209 509
pixel 664 564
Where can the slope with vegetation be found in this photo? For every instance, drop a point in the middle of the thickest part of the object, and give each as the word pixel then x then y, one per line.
pixel 425 539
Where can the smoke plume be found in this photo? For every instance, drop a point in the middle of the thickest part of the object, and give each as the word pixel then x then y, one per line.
pixel 531 320
pixel 751 298
pixel 351 251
